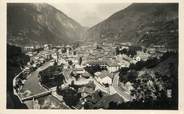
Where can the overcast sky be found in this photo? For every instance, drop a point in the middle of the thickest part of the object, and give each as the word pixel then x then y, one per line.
pixel 89 14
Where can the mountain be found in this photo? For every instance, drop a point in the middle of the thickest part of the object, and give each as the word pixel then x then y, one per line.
pixel 32 24
pixel 140 23
pixel 15 60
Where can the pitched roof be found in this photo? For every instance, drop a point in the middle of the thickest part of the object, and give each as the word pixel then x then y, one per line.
pixel 97 62
pixel 113 63
pixel 78 69
pixel 105 73
pixel 86 90
pixel 86 74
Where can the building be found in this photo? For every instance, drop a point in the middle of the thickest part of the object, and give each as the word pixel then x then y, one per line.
pixel 124 63
pixel 104 77
pixel 151 50
pixel 28 48
pixel 102 64
pixel 29 54
pixel 138 58
pixel 47 47
pixel 169 93
pixel 85 91
pixel 143 56
pixel 55 56
pixel 128 86
pixel 68 49
pixel 86 75
pixel 113 67
pixel 36 105
pixel 78 69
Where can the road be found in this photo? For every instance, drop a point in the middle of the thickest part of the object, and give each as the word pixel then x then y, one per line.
pixel 100 87
pixel 119 90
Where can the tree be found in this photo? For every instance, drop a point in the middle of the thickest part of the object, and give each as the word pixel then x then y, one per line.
pixel 139 65
pixel 77 76
pixel 64 50
pixel 70 62
pixel 70 96
pixel 80 60
pixel 132 75
pixel 151 63
pixel 55 63
pixel 94 68
pixel 117 50
pixel 124 51
pixel 52 76
pixel 123 72
pixel 132 52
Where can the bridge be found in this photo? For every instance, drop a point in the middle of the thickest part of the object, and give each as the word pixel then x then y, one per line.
pixel 37 95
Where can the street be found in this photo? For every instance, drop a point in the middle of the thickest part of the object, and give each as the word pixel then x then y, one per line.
pixel 119 90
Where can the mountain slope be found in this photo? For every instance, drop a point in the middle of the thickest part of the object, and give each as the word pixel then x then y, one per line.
pixel 31 24
pixel 134 22
pixel 15 60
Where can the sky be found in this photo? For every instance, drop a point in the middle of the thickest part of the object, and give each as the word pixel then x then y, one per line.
pixel 89 14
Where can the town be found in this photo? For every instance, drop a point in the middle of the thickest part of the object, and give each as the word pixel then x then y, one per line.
pixel 92 76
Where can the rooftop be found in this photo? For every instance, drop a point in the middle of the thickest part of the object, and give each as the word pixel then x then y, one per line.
pixel 104 73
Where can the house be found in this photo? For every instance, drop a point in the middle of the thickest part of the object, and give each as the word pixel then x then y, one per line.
pixel 86 75
pixel 42 60
pixel 85 91
pixel 128 86
pixel 143 56
pixel 135 60
pixel 124 63
pixel 27 70
pixel 36 104
pixel 36 57
pixel 104 78
pixel 29 54
pixel 151 50
pixel 74 60
pixel 113 67
pixel 68 49
pixel 28 49
pixel 169 93
pixel 34 65
pixel 47 56
pixel 47 47
pixel 79 70
pixel 102 64
pixel 54 56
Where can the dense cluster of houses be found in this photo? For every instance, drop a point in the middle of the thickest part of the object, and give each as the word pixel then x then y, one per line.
pixel 88 55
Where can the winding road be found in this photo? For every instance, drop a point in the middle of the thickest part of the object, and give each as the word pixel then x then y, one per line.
pixel 119 90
